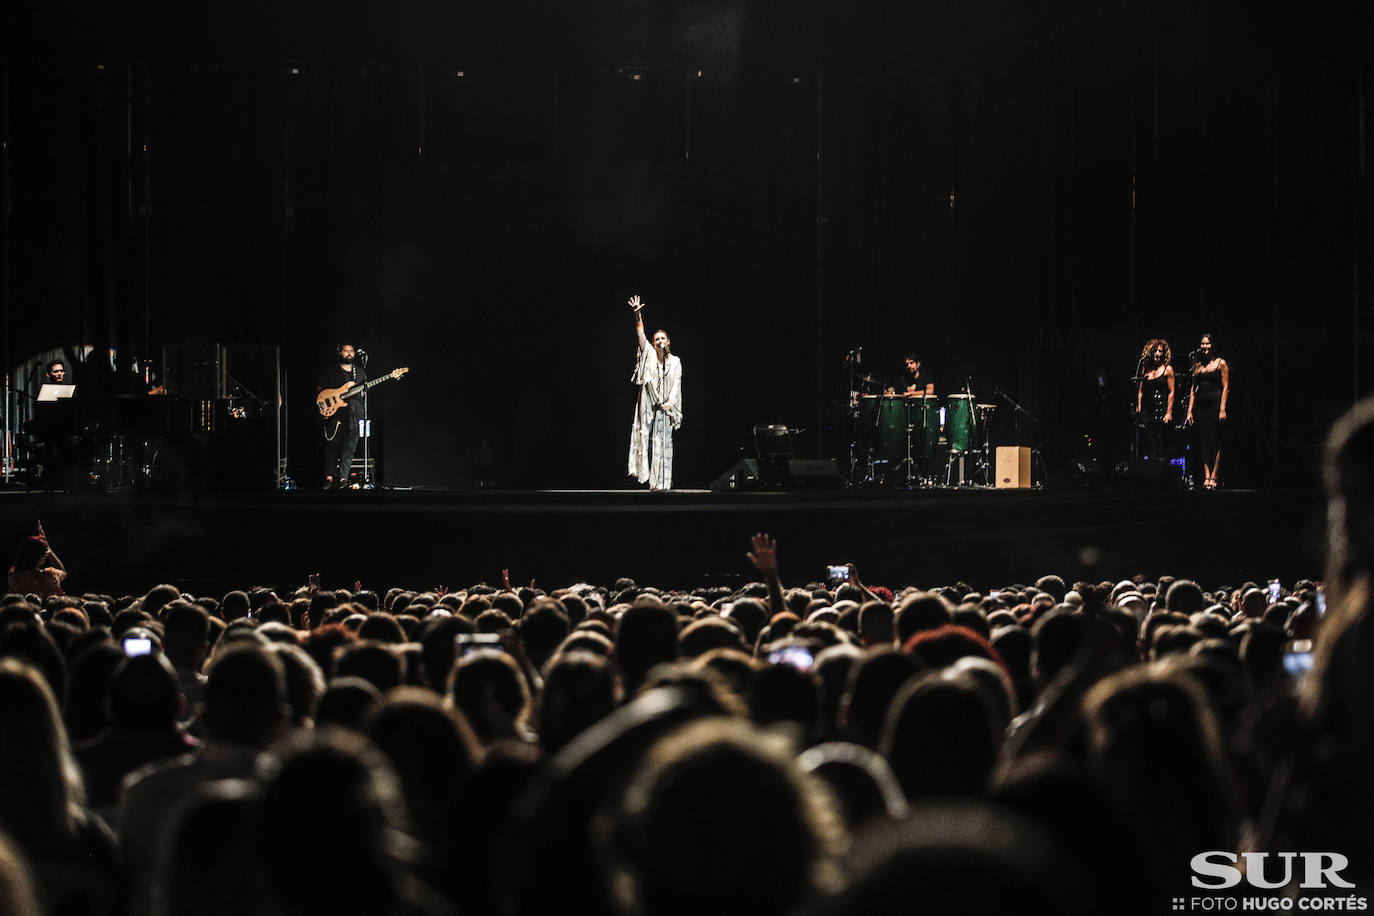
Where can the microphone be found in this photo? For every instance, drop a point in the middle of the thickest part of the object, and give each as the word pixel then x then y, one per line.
pixel 361 356
pixel 662 344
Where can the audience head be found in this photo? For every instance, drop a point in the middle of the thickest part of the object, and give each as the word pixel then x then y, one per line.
pixel 331 818
pixel 859 780
pixel 720 798
pixel 1185 597
pixel 489 689
pixel 346 703
pixel 579 691
pixel 186 637
pixel 40 786
pixel 876 624
pixel 646 635
pixel 873 681
pixel 216 826
pixel 922 611
pixel 144 694
pixel 245 697
pixel 940 737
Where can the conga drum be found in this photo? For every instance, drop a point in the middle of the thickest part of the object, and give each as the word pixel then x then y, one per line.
pixel 959 422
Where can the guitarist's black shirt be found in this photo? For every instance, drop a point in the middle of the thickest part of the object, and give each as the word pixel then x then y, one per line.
pixel 335 377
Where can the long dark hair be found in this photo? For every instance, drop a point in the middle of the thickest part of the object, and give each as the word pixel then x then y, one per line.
pixel 30 553
pixel 35 755
pixel 1146 353
pixel 1197 354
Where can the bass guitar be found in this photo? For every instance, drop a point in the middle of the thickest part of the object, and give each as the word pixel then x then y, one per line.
pixel 331 399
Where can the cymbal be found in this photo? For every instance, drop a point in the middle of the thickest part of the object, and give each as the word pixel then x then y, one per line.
pixel 866 380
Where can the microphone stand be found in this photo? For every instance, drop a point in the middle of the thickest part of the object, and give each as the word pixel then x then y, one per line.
pixel 366 427
pixel 1035 451
pixel 14 424
pixel 8 456
pixel 1138 379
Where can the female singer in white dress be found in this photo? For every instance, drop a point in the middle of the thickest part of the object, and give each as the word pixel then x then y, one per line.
pixel 658 411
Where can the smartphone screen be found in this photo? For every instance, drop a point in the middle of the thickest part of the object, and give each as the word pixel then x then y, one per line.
pixel 798 657
pixel 137 645
pixel 464 643
pixel 1275 590
pixel 1297 663
pixel 839 572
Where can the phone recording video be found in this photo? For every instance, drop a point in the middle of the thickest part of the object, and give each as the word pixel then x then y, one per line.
pixel 1297 658
pixel 137 645
pixel 798 657
pixel 466 643
pixel 839 572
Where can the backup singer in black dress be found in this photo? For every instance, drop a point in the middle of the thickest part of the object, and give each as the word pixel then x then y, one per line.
pixel 1207 407
pixel 1154 399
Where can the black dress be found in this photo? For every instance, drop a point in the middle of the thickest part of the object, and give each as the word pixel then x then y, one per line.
pixel 1154 404
pixel 1207 413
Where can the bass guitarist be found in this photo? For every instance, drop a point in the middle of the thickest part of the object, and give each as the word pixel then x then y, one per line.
pixel 340 429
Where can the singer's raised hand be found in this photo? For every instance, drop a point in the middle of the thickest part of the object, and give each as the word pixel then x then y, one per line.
pixel 636 303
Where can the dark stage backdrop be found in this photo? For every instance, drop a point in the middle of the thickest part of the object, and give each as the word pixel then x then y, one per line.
pixel 1020 192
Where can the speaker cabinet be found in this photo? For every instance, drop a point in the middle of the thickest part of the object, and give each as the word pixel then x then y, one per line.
pixel 1013 467
pixel 813 474
pixel 743 475
pixel 1145 474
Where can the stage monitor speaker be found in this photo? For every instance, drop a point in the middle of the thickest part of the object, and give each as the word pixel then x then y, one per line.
pixel 813 474
pixel 1145 474
pixel 1078 474
pixel 1013 467
pixel 743 475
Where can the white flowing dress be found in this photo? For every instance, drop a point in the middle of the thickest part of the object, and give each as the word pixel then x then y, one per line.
pixel 651 436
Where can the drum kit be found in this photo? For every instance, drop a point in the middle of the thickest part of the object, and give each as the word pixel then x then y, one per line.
pixel 917 440
pixel 94 462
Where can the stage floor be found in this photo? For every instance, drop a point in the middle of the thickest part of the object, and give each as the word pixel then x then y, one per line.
pixel 683 538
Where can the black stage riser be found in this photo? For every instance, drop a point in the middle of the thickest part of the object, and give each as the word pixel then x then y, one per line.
pixel 118 542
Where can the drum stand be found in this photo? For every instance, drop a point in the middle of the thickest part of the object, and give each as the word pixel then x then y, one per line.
pixel 862 468
pixel 926 478
pixel 910 464
pixel 917 475
pixel 978 458
pixel 950 466
pixel 982 464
